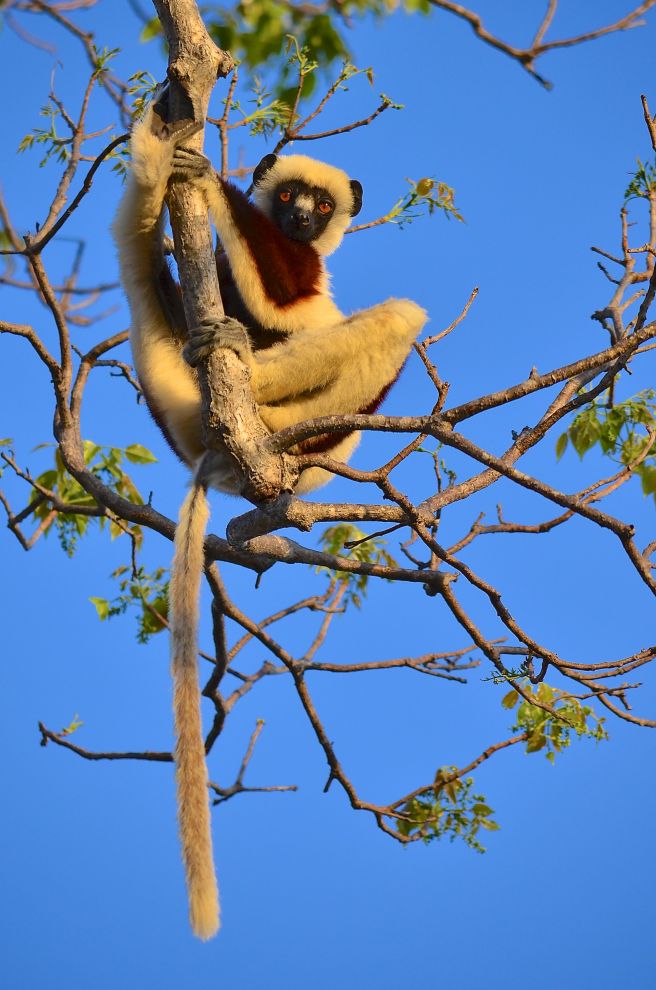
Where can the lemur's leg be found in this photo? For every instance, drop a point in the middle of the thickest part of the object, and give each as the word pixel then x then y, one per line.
pixel 359 360
pixel 343 369
pixel 283 284
pixel 136 228
pixel 168 382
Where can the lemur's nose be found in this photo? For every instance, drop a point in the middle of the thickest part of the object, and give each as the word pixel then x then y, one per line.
pixel 301 218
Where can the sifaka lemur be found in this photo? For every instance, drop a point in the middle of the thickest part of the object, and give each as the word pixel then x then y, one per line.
pixel 305 357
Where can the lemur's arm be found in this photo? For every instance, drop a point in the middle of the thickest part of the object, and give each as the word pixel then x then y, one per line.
pixel 282 282
pixel 137 227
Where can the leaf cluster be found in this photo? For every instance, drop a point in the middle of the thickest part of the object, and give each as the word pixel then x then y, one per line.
pixel 643 182
pixel 624 432
pixel 141 88
pixel 75 724
pixel 255 32
pixel 368 550
pixel 269 114
pixel 52 143
pixel 450 810
pixel 426 196
pixel 59 147
pixel 147 592
pixel 106 463
pixel 276 112
pixel 553 730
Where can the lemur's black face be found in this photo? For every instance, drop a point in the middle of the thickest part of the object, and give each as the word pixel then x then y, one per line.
pixel 302 212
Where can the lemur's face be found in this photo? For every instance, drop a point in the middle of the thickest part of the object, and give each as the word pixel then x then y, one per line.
pixel 309 201
pixel 302 212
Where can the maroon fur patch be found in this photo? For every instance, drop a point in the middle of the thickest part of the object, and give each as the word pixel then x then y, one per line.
pixel 380 398
pixel 326 442
pixel 323 443
pixel 289 270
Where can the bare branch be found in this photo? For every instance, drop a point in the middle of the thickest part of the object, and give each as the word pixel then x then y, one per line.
pixel 47 735
pixel 528 56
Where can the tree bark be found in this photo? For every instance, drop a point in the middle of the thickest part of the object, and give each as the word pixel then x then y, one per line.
pixel 230 417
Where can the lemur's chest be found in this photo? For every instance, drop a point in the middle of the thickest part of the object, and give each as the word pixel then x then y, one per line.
pixel 261 337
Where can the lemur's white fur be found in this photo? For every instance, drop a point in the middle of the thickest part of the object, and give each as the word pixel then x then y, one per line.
pixel 191 767
pixel 331 364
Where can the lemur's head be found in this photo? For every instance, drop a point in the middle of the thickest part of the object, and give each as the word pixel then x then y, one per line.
pixel 308 200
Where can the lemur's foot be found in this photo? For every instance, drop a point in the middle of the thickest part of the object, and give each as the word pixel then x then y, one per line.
pixel 190 165
pixel 213 334
pixel 166 129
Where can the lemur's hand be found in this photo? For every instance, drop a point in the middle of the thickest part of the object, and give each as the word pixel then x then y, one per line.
pixel 212 334
pixel 191 166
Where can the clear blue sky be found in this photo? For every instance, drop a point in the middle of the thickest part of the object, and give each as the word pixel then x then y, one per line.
pixel 313 895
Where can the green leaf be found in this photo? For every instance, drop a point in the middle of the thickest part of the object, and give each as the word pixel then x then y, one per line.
pixel 73 725
pixel 648 479
pixel 151 623
pixel 536 742
pixel 545 693
pixel 150 30
pixel 510 700
pixel 622 430
pixel 585 431
pixel 91 450
pixel 561 445
pixel 101 606
pixel 138 454
pixel 451 791
pixel 115 530
pixel 367 550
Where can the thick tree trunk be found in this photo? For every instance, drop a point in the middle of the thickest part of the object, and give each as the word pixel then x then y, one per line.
pixel 230 417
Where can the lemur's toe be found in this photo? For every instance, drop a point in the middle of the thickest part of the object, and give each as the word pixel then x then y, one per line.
pixel 189 153
pixel 190 163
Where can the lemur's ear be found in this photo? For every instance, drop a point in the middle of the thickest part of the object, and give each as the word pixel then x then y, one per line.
pixel 356 189
pixel 267 162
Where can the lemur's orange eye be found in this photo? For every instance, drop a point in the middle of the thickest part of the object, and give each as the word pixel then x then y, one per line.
pixel 325 207
pixel 285 195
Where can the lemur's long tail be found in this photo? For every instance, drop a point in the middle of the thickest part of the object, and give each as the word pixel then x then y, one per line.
pixel 191 768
